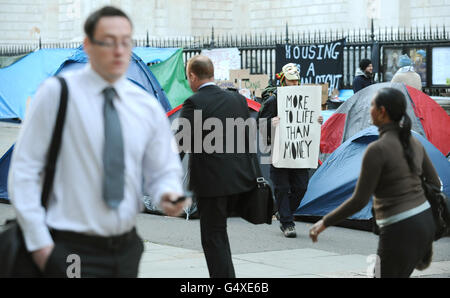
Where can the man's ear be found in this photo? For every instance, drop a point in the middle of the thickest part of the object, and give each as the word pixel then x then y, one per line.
pixel 87 44
pixel 193 77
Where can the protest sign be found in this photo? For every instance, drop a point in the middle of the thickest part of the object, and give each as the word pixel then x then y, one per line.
pixel 255 83
pixel 324 91
pixel 297 137
pixel 249 85
pixel 318 63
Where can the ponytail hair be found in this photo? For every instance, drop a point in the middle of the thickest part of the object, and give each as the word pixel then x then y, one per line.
pixel 405 140
pixel 394 102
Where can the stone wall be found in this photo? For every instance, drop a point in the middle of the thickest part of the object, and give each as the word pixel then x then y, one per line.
pixel 20 20
pixel 318 15
pixel 62 20
pixel 430 12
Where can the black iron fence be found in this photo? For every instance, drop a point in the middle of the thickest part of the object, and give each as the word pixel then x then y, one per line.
pixel 258 50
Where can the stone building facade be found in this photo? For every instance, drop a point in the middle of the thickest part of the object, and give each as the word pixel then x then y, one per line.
pixel 62 20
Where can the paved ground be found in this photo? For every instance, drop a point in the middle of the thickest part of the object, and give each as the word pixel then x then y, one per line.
pixel 162 261
pixel 173 250
pixel 173 247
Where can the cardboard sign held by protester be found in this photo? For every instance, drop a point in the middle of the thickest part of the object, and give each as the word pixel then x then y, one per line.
pixel 297 137
pixel 239 74
pixel 242 79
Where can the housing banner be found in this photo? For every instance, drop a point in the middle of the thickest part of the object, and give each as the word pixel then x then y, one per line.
pixel 297 137
pixel 317 63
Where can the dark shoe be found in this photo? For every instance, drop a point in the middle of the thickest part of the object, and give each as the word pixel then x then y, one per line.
pixel 289 232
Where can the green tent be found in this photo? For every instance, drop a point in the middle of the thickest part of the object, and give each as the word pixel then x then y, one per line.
pixel 172 78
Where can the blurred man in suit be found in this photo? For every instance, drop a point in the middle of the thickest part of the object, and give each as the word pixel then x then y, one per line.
pixel 116 147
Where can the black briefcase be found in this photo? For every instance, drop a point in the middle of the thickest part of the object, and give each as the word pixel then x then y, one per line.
pixel 256 206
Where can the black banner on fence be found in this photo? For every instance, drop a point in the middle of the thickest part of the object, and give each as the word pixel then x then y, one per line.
pixel 318 63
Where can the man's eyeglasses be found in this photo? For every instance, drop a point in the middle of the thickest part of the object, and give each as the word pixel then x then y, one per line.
pixel 110 44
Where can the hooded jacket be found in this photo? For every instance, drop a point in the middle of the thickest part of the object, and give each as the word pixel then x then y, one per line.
pixel 408 76
pixel 361 81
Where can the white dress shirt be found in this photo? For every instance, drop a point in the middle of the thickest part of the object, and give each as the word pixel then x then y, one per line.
pixel 152 165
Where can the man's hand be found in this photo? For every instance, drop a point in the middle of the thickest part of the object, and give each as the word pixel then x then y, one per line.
pixel 40 257
pixel 275 121
pixel 172 209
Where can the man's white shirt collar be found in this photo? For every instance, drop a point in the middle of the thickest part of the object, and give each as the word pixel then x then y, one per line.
pixel 98 84
pixel 207 84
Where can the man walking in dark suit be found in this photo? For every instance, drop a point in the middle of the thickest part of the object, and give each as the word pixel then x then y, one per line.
pixel 219 172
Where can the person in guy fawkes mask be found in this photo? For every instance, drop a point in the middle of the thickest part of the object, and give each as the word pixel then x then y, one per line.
pixel 289 184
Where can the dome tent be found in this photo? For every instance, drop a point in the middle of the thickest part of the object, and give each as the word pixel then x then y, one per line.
pixel 335 180
pixel 428 118
pixel 21 80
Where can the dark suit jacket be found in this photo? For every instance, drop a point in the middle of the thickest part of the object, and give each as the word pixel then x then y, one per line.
pixel 268 110
pixel 214 174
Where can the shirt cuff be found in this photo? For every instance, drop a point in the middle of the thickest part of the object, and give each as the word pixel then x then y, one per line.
pixel 37 237
pixel 176 188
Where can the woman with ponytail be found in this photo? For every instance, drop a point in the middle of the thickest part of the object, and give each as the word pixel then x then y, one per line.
pixel 391 170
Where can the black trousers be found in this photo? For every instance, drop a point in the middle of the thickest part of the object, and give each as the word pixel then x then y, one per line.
pixel 289 187
pixel 78 255
pixel 404 244
pixel 213 212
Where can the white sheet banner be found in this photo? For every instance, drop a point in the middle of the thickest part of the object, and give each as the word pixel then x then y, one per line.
pixel 224 60
pixel 297 138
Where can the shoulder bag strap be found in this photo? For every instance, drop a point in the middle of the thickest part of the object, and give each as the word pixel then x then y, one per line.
pixel 55 144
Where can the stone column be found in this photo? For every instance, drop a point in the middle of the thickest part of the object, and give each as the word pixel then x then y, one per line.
pixel 50 20
pixel 241 16
pixel 179 17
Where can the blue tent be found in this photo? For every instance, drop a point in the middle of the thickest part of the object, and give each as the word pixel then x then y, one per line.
pixel 335 180
pixel 20 81
pixel 138 73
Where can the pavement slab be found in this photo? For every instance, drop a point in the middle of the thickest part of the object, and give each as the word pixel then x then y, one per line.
pixel 172 262
pixel 266 255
